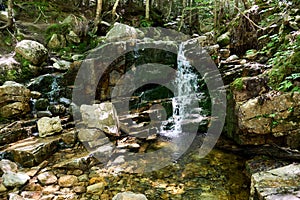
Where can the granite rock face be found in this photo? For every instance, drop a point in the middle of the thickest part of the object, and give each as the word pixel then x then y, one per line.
pixel 279 183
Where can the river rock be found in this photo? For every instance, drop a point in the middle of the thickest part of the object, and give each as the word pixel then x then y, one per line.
pixel 122 32
pixel 13 179
pixel 49 126
pixel 47 178
pixel 7 166
pixel 129 196
pixel 33 51
pixel 102 116
pixel 97 188
pixel 14 99
pixel 42 104
pixel 32 151
pixel 67 181
pixel 86 135
pixel 280 183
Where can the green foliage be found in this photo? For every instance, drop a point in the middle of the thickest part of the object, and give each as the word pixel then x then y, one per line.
pixel 237 84
pixel 285 66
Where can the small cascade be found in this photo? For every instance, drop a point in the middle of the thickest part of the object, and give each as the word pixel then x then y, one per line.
pixel 185 101
pixel 55 88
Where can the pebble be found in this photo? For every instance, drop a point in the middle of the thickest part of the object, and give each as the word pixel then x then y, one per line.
pixel 67 181
pixel 47 178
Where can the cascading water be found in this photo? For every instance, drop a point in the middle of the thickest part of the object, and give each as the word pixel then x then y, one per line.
pixel 54 93
pixel 186 99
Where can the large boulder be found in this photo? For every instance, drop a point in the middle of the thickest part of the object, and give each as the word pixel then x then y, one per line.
pixel 269 117
pixel 14 99
pixel 129 196
pixel 122 32
pixel 49 126
pixel 279 183
pixel 33 51
pixel 102 116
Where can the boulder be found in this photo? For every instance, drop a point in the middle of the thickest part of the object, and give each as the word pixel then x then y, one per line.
pixel 122 32
pixel 102 116
pixel 13 179
pixel 33 151
pixel 279 183
pixel 269 117
pixel 14 99
pixel 224 39
pixel 49 126
pixel 33 51
pixel 129 196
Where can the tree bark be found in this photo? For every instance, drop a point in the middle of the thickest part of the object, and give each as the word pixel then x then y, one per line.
pixel 10 20
pixel 98 12
pixel 147 14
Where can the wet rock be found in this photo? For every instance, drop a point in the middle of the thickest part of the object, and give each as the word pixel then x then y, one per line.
pixel 58 109
pixel 32 151
pixel 129 196
pixel 65 101
pixel 47 178
pixel 35 94
pixel 224 39
pixel 7 166
pixel 279 183
pixel 13 179
pixel 14 99
pixel 102 116
pixel 33 51
pixel 49 126
pixel 67 181
pixel 86 135
pixel 42 104
pixel 122 32
pixel 41 114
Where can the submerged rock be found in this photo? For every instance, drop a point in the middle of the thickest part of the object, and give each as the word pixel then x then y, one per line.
pixel 33 51
pixel 49 126
pixel 129 196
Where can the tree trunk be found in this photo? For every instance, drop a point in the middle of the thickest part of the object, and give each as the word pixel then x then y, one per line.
pixel 147 14
pixel 113 12
pixel 10 20
pixel 98 12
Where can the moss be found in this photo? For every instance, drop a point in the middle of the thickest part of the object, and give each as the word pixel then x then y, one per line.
pixel 237 84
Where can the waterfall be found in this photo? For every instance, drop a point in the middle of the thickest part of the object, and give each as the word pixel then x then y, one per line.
pixel 186 97
pixel 54 93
